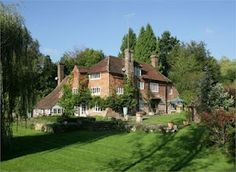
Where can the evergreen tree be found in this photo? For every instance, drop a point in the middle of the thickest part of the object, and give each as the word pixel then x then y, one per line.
pixel 206 87
pixel 128 41
pixel 146 45
pixel 165 44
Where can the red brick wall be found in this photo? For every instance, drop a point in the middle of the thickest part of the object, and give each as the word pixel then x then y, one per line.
pixel 103 83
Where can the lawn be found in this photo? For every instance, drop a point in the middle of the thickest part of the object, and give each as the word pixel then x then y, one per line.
pixel 110 151
pixel 176 118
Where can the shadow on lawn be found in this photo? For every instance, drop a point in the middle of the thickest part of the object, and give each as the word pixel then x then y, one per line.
pixel 24 145
pixel 169 152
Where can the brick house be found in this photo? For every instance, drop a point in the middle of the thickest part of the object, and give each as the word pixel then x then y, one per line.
pixel 106 78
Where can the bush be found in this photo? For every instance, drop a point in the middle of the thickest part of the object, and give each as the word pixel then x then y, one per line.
pixel 221 127
pixel 64 119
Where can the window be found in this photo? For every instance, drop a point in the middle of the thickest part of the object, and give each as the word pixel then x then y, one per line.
pixel 97 108
pixel 154 87
pixel 141 104
pixel 96 91
pixel 54 110
pixel 74 90
pixel 120 90
pixel 95 76
pixel 141 85
pixel 137 71
pixel 171 91
pixel 59 110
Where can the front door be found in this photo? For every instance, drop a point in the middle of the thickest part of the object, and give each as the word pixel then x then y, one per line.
pixel 83 110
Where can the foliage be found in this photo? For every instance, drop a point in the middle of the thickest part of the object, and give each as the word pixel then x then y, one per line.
pixel 221 127
pixel 46 73
pixel 146 44
pixel 82 58
pixel 67 101
pixel 19 53
pixel 83 96
pixel 228 71
pixel 128 99
pixel 218 98
pixel 185 73
pixel 165 44
pixel 128 41
pixel 206 86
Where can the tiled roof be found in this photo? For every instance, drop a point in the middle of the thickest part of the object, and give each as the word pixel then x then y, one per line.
pixel 151 73
pixel 51 99
pixel 115 64
pixel 83 69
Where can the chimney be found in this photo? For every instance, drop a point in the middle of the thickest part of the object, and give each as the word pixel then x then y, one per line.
pixel 60 72
pixel 154 61
pixel 129 63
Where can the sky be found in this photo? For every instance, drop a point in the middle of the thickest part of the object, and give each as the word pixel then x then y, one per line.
pixel 62 26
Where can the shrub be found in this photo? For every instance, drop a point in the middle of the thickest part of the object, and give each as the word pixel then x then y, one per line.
pixel 221 127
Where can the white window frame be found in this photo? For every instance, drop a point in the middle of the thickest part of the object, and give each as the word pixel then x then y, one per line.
pixel 154 87
pixel 96 90
pixel 141 85
pixel 171 91
pixel 95 76
pixel 74 90
pixel 97 109
pixel 119 90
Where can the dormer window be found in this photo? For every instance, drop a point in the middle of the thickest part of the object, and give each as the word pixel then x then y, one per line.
pixel 137 71
pixel 95 76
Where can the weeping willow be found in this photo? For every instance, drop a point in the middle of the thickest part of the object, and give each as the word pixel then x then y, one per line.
pixel 17 71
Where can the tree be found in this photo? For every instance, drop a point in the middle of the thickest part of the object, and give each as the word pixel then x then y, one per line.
pixel 46 73
pixel 128 99
pixel 19 53
pixel 82 58
pixel 165 44
pixel 206 86
pixel 228 71
pixel 128 41
pixel 186 73
pixel 219 98
pixel 67 101
pixel 146 45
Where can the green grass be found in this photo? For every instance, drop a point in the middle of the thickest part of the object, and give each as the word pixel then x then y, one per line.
pixel 109 151
pixel 176 118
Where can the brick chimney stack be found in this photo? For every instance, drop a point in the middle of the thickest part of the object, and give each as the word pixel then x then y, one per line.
pixel 154 61
pixel 129 63
pixel 60 72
